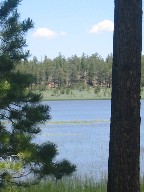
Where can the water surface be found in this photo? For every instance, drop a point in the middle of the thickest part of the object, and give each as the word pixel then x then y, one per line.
pixel 81 131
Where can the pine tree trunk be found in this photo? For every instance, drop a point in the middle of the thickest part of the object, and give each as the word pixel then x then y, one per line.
pixel 124 147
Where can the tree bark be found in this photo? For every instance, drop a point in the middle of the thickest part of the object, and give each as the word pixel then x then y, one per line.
pixel 124 146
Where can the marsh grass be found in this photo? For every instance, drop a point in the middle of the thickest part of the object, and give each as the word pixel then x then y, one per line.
pixel 77 122
pixel 65 185
pixel 74 184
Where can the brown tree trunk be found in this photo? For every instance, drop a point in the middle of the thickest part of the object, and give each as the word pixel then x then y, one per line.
pixel 124 147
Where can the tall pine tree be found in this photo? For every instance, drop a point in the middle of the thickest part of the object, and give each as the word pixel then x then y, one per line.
pixel 124 148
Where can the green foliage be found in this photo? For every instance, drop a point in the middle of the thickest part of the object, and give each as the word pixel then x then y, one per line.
pixel 12 166
pixel 73 72
pixel 63 168
pixel 46 153
pixel 21 110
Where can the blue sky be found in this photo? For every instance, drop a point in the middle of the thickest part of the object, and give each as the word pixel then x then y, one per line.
pixel 69 27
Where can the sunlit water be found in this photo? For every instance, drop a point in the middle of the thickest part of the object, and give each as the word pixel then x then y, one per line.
pixel 81 131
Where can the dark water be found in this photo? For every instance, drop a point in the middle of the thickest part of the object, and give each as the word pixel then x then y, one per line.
pixel 81 131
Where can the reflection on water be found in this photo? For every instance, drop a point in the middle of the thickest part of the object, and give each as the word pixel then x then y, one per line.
pixel 81 131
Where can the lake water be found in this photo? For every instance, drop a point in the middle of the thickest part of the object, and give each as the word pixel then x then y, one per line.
pixel 81 131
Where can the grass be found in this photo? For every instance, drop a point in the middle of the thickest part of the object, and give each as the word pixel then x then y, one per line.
pixel 70 186
pixel 76 95
pixel 67 185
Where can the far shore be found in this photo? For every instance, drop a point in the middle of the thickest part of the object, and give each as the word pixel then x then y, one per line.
pixel 68 99
pixel 52 95
pixel 49 95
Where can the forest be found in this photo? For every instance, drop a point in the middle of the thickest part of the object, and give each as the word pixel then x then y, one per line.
pixel 71 73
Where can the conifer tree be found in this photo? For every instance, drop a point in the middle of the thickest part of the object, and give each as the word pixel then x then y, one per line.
pixel 124 147
pixel 21 112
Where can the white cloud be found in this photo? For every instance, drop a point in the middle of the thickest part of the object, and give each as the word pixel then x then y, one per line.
pixel 106 25
pixel 47 33
pixel 44 32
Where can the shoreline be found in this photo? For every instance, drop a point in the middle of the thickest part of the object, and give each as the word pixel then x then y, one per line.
pixel 68 99
pixel 78 95
pixel 78 99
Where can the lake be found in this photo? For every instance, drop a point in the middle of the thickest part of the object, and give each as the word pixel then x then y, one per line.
pixel 81 130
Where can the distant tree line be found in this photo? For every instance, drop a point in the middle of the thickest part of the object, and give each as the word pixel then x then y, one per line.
pixel 71 72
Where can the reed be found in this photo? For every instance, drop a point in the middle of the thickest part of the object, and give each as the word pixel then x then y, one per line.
pixel 74 184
